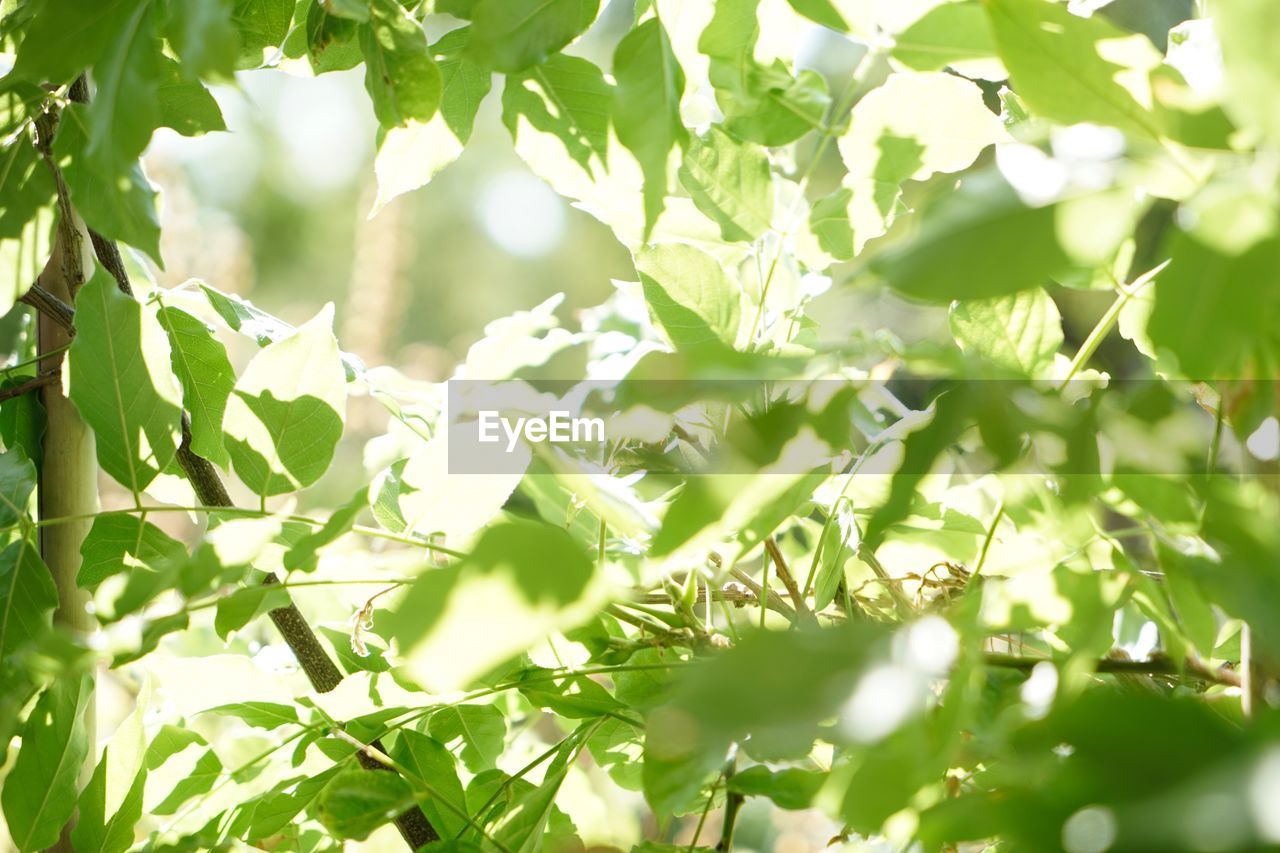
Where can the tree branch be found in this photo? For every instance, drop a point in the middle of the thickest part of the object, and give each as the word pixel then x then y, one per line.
pixel 59 312
pixel 1158 665
pixel 32 384
pixel 312 657
pixel 784 575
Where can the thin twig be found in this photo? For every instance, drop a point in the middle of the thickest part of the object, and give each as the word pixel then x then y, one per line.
pixel 33 384
pixel 50 306
pixel 784 575
pixel 1159 665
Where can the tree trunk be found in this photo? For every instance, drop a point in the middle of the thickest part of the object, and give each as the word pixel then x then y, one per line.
pixel 68 474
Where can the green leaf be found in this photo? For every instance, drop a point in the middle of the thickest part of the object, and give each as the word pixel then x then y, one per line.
pixel 765 104
pixel 111 804
pixel 200 362
pixel 122 384
pixel 285 416
pixel 246 318
pixel 121 206
pixel 838 543
pixel 688 291
pixel 1019 333
pixel 521 827
pixel 480 729
pixel 260 715
pixel 568 97
pixel 28 598
pixel 201 33
pixel 1069 68
pixel 22 422
pixel 65 36
pixel 17 481
pixel 261 25
pixel 356 802
pixel 730 182
pixel 25 187
pixel 241 607
pixel 124 111
pixel 39 792
pixel 911 128
pixel 512 35
pixel 1216 312
pixel 121 542
pixel 402 79
pixel 536 580
pixel 409 157
pixel 186 106
pixel 302 553
pixel 331 40
pixel 791 788
pixel 948 34
pixel 272 811
pixel 1248 30
pixel 431 764
pixel 978 242
pixel 646 108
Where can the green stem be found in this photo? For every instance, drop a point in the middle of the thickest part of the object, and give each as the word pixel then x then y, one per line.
pixel 1103 327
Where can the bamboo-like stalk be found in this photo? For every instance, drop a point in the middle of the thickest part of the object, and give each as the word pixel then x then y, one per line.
pixel 68 484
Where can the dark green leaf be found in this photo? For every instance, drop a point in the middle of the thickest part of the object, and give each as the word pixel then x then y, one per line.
pixel 39 793
pixel 356 802
pixel 122 383
pixel 400 75
pixel 511 35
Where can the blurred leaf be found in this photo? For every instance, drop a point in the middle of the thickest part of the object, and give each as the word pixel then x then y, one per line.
pixel 118 205
pixel 646 116
pixel 201 365
pixel 39 793
pixel 201 33
pixel 512 35
pixel 356 802
pixel 689 293
pixel 401 77
pixel 125 109
pixel 59 44
pixel 1073 69
pixel 947 34
pixel 122 384
pixel 731 183
pixel 1020 333
pixel 978 242
pixel 1215 312
pixel 285 416
pixel 944 129
pixel 1248 30
pixel 521 581
pixel 791 788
